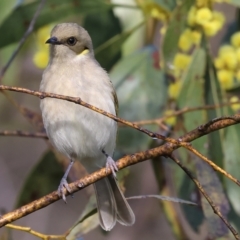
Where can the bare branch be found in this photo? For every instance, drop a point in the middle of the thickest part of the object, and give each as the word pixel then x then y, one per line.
pixel 35 233
pixel 79 101
pixel 164 150
pixel 200 188
pixel 159 121
pixel 23 134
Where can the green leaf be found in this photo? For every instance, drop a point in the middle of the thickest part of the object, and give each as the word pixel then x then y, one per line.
pixel 109 26
pixel 164 198
pixel 213 187
pixel 213 96
pixel 86 222
pixel 176 26
pixel 141 90
pixel 109 51
pixel 44 178
pixel 209 178
pixel 18 21
pixel 167 5
pixel 231 163
pixel 191 94
pixel 234 2
pixel 194 216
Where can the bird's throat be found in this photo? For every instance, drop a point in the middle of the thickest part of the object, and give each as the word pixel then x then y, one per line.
pixel 84 52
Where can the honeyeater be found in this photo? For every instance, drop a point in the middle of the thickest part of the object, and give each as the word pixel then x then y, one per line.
pixel 78 132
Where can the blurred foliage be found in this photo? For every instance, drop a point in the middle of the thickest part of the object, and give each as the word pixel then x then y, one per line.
pixel 42 180
pixel 174 68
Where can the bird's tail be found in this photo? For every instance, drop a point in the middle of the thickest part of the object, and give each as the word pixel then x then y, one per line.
pixel 112 205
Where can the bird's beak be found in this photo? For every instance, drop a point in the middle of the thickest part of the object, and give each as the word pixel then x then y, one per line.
pixel 54 41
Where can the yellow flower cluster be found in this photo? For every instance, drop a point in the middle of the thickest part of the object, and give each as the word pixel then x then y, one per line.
pixel 235 107
pixel 154 10
pixel 210 21
pixel 41 56
pixel 181 62
pixel 188 39
pixel 171 121
pixel 174 89
pixel 228 63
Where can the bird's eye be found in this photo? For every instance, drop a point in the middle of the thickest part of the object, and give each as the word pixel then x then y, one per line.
pixel 71 41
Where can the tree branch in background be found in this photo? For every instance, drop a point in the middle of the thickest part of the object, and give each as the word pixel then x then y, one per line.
pixel 211 203
pixel 24 38
pixel 23 134
pixel 164 150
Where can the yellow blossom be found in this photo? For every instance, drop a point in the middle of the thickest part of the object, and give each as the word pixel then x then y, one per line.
pixel 212 27
pixel 43 34
pixel 225 49
pixel 196 37
pixel 235 39
pixel 225 78
pixel 219 63
pixel 218 16
pixel 174 89
pixel 203 15
pixel 185 41
pixel 155 11
pixel 230 60
pixel 181 61
pixel 192 16
pixel 171 120
pixel 163 29
pixel 40 59
pixel 235 107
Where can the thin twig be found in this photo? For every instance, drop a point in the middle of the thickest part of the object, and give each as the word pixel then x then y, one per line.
pixel 211 163
pixel 79 101
pixel 164 150
pixel 35 233
pixel 23 134
pixel 23 39
pixel 200 188
pixel 159 121
pixel 200 131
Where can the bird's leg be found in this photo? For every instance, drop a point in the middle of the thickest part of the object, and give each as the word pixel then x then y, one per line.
pixel 63 183
pixel 110 164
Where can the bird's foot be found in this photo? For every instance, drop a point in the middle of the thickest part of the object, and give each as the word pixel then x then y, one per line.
pixel 111 164
pixel 63 184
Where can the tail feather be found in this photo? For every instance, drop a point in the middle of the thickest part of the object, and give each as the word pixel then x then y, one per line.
pixel 112 205
pixel 125 215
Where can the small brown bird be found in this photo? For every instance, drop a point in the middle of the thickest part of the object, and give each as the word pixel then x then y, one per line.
pixel 79 132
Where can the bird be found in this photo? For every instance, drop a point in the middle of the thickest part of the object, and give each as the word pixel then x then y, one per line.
pixel 78 132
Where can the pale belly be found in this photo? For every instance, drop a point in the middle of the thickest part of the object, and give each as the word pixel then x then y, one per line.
pixel 78 132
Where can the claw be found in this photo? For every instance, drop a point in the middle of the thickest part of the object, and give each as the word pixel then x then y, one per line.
pixel 111 164
pixel 63 184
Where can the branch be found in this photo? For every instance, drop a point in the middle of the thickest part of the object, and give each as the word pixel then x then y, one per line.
pixel 181 142
pixel 79 101
pixel 35 233
pixel 23 134
pixel 25 36
pixel 200 188
pixel 164 150
pixel 159 121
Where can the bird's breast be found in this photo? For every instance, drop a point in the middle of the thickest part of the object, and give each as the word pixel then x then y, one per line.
pixel 75 130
